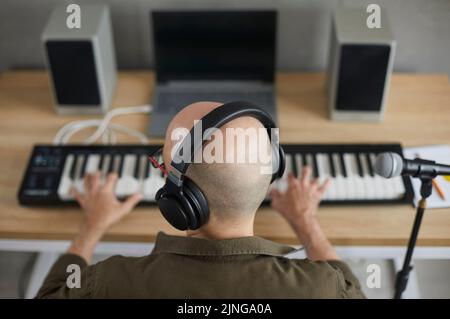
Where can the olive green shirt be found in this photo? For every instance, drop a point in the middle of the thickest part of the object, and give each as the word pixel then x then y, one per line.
pixel 185 267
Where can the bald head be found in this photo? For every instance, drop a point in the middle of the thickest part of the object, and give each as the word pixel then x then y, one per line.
pixel 185 120
pixel 234 189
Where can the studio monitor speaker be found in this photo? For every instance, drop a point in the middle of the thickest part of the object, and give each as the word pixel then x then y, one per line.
pixel 360 66
pixel 81 60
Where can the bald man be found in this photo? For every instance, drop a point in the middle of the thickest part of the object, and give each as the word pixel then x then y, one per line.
pixel 221 259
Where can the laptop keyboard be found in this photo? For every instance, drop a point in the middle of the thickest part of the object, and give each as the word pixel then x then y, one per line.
pixel 173 100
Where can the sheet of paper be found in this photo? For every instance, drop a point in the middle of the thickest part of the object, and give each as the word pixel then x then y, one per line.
pixel 440 154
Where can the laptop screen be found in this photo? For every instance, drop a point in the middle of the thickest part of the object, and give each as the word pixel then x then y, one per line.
pixel 214 45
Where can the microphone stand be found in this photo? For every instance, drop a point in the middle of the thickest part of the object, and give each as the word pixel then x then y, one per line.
pixel 403 275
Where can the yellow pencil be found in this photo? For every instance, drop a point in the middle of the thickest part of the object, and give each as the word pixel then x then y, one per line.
pixel 439 189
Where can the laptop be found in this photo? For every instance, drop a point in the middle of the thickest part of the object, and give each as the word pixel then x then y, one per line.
pixel 220 56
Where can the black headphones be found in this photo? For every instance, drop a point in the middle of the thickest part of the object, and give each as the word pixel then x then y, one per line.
pixel 180 200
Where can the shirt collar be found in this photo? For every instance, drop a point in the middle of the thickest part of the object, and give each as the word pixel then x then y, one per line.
pixel 225 247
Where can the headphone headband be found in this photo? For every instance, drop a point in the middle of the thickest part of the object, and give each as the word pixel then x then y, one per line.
pixel 212 122
pixel 182 203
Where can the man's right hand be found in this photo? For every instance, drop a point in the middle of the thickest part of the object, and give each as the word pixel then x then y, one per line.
pixel 300 201
pixel 299 206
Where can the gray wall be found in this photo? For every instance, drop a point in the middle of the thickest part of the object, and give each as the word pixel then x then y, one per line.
pixel 421 27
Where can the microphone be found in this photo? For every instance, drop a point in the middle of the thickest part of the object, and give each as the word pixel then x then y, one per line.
pixel 391 164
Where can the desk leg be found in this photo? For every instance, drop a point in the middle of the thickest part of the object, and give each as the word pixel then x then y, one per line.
pixel 412 291
pixel 41 268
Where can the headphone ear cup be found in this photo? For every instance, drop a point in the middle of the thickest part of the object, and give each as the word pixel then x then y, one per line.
pixel 189 209
pixel 275 163
pixel 278 162
pixel 172 210
pixel 197 200
pixel 282 166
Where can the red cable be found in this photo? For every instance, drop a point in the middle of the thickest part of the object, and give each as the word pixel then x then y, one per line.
pixel 157 165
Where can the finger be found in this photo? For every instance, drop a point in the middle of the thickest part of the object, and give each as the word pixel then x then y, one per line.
pixel 293 182
pixel 306 175
pixel 323 188
pixel 87 182
pixel 131 202
pixel 315 182
pixel 77 195
pixel 111 181
pixel 95 181
pixel 275 194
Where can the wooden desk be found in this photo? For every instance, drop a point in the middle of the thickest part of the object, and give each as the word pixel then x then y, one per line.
pixel 418 112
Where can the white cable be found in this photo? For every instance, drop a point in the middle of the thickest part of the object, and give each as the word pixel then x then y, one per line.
pixel 115 112
pixel 72 127
pixel 112 137
pixel 126 130
pixel 111 126
pixel 106 138
pixel 67 128
pixel 105 130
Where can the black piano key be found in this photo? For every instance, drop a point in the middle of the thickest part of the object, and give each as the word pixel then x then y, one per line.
pixel 332 168
pixel 315 169
pixel 343 169
pixel 101 162
pixel 369 165
pixel 111 164
pixel 147 168
pixel 83 166
pixel 73 167
pixel 137 166
pixel 120 166
pixel 304 160
pixel 294 166
pixel 359 164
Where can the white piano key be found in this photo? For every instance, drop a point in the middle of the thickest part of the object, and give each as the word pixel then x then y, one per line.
pixel 127 183
pixel 353 180
pixel 93 161
pixel 104 169
pixel 147 182
pixel 152 183
pixel 65 182
pixel 393 187
pixel 310 163
pixel 116 164
pixel 324 170
pixel 129 164
pixel 79 178
pixel 349 179
pixel 399 186
pixel 299 164
pixel 323 166
pixel 368 181
pixel 340 186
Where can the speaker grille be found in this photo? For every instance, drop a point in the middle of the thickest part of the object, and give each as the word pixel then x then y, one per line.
pixel 362 74
pixel 73 71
